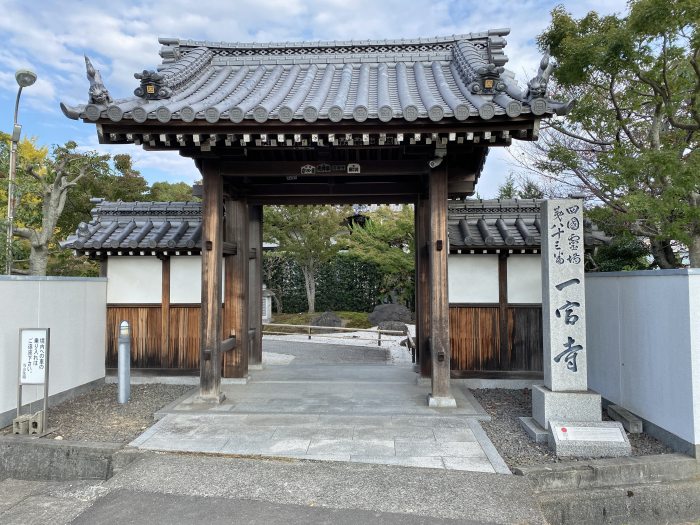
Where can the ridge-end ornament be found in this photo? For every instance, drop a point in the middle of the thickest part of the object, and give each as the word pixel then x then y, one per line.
pixel 98 93
pixel 152 86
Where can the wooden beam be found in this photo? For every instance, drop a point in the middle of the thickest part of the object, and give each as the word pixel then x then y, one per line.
pixel 304 168
pixel 229 248
pixel 210 354
pixel 165 359
pixel 332 199
pixel 255 288
pixel 422 225
pixel 236 288
pixel 228 344
pixel 439 304
pixel 503 309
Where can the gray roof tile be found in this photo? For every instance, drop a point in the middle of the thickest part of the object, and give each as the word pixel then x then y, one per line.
pixel 427 78
pixel 177 226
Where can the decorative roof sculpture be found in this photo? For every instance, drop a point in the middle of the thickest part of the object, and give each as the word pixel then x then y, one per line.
pixel 436 79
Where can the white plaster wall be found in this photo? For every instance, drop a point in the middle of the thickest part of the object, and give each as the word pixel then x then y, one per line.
pixel 472 278
pixel 134 280
pixel 643 332
pixel 186 279
pixel 524 279
pixel 75 311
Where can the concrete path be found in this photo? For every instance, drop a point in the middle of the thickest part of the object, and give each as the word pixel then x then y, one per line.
pixel 350 408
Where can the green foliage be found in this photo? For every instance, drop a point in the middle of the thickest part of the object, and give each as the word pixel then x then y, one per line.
pixel 346 282
pixel 171 192
pixel 631 141
pixel 387 241
pixel 525 188
pixel 625 253
pixel 306 235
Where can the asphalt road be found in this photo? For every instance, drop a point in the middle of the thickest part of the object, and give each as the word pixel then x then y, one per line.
pixel 180 488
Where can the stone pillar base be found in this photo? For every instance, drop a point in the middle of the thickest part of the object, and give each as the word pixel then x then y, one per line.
pixel 441 401
pixel 213 399
pixel 564 406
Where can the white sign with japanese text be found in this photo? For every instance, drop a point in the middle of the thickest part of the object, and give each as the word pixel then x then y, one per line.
pixel 33 351
pixel 563 296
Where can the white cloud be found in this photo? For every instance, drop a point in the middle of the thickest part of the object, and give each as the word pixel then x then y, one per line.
pixel 121 38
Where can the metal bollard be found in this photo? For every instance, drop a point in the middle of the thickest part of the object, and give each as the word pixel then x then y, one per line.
pixel 124 363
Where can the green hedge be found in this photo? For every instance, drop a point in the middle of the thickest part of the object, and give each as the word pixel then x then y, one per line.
pixel 345 283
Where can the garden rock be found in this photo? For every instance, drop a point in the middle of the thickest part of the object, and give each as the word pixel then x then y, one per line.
pixel 327 319
pixel 389 312
pixel 393 325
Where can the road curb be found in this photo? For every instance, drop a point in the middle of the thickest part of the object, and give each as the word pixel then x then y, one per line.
pixel 641 489
pixel 38 459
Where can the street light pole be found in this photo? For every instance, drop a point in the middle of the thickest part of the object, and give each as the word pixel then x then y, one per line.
pixel 25 78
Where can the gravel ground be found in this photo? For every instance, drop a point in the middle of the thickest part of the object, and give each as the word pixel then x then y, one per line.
pixel 97 416
pixel 514 445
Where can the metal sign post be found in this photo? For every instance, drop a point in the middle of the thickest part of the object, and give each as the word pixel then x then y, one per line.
pixel 34 344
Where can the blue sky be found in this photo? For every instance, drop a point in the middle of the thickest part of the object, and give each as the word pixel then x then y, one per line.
pixel 121 38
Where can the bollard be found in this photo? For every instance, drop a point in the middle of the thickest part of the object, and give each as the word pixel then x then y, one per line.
pixel 124 363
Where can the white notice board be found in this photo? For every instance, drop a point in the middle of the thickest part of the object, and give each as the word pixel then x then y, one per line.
pixel 34 354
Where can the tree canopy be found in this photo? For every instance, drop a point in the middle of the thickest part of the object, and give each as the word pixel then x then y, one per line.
pixel 306 234
pixel 631 141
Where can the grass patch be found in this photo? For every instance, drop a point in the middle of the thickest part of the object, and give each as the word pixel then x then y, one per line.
pixel 349 319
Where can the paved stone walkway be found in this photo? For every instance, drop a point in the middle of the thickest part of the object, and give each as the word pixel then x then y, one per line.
pixel 353 408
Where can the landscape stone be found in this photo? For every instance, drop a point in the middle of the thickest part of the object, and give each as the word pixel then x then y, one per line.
pixel 632 423
pixel 390 312
pixel 327 319
pixel 392 325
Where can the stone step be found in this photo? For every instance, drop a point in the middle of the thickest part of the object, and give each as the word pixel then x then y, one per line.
pixel 648 503
pixel 611 472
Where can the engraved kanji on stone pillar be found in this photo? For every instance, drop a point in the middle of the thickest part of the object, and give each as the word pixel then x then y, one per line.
pixel 563 298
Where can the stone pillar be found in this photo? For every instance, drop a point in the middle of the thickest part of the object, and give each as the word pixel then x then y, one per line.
pixel 564 411
pixel 563 319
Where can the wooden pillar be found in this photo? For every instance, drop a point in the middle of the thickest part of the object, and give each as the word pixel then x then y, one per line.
pixel 439 304
pixel 236 288
pixel 503 310
pixel 422 225
pixel 165 360
pixel 210 338
pixel 255 288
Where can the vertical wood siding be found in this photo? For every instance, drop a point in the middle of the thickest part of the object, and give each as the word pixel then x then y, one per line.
pixel 145 322
pixel 474 337
pixel 475 340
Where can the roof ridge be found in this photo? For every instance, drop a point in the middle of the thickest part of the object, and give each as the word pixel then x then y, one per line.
pixel 170 41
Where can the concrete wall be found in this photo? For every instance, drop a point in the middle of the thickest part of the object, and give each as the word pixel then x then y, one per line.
pixel 75 311
pixel 643 331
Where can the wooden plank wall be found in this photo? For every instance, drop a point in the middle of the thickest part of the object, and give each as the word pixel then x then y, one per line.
pixel 475 341
pixel 474 337
pixel 145 322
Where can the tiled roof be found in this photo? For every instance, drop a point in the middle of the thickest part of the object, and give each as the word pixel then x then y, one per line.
pixel 140 226
pixel 155 227
pixel 479 225
pixel 459 77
